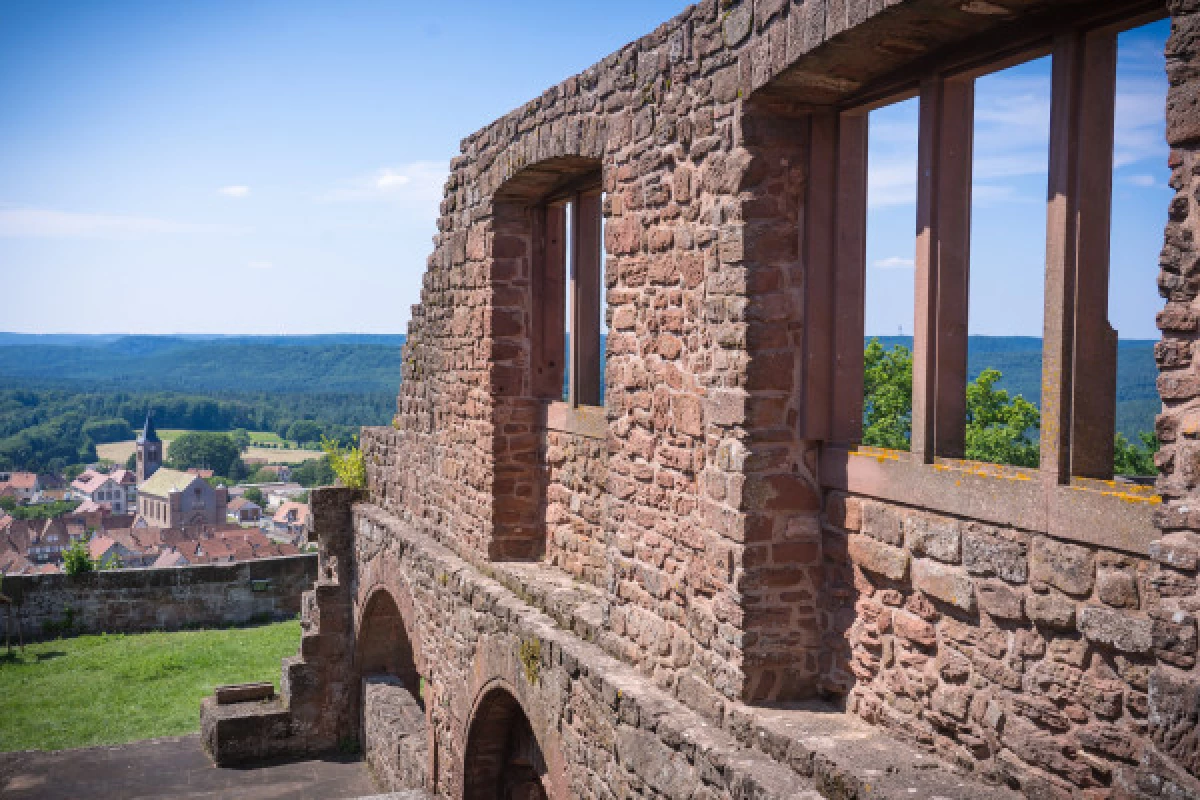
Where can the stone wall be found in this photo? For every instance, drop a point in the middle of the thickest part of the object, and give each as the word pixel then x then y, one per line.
pixel 1026 657
pixel 703 546
pixel 132 600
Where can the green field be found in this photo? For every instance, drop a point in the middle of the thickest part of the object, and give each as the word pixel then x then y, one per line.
pixel 256 437
pixel 109 689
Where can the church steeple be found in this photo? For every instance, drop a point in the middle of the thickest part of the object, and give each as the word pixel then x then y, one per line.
pixel 149 450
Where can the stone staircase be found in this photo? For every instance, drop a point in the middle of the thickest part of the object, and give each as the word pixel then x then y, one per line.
pixel 246 723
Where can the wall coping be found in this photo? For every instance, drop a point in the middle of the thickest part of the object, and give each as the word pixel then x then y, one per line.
pixel 1101 514
pixel 590 422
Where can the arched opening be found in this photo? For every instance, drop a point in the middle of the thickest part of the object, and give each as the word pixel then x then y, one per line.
pixel 394 730
pixel 383 644
pixel 503 759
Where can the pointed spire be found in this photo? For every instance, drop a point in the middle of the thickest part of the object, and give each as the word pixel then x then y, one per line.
pixel 148 432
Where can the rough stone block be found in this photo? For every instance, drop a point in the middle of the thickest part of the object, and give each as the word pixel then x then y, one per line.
pixel 985 553
pixel 937 538
pixel 948 584
pixel 1051 610
pixel 876 557
pixel 1121 630
pixel 1069 567
pixel 1175 717
pixel 1000 600
pixel 883 522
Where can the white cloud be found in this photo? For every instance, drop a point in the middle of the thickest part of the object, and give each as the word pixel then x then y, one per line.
pixel 1144 181
pixel 44 223
pixel 416 184
pixel 894 262
pixel 234 191
pixel 260 265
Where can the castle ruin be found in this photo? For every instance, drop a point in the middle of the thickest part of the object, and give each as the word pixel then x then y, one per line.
pixel 687 579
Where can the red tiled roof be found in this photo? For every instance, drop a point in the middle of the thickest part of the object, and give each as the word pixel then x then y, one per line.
pixel 21 480
pixel 99 545
pixel 301 513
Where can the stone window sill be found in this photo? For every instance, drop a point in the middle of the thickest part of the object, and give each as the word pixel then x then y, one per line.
pixel 1101 513
pixel 586 421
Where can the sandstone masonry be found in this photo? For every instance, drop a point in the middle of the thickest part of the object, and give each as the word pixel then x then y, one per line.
pixel 705 588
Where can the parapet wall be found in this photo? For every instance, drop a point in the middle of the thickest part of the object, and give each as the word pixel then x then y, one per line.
pixel 133 600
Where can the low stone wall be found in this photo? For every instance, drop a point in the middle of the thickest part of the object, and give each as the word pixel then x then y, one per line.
pixel 131 600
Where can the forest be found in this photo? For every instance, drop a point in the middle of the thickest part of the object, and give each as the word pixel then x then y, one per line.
pixel 63 395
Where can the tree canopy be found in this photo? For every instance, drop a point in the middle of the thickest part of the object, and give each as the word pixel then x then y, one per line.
pixel 205 450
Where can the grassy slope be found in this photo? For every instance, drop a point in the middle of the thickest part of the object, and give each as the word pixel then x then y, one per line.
pixel 94 690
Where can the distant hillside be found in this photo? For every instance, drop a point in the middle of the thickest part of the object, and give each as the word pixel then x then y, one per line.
pixel 1019 359
pixel 336 363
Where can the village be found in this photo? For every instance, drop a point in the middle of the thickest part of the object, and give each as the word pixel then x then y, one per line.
pixel 150 516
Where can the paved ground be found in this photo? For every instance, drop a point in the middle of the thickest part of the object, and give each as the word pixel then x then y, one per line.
pixel 172 768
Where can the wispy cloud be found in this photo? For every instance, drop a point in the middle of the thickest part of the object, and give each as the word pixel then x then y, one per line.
pixel 1143 181
pixel 416 183
pixel 893 262
pixel 41 223
pixel 234 191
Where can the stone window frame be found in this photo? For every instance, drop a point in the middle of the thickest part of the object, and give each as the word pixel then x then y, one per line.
pixel 553 285
pixel 1071 494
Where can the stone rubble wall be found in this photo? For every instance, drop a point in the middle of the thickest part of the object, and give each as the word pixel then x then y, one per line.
pixel 576 482
pixel 135 600
pixel 1020 656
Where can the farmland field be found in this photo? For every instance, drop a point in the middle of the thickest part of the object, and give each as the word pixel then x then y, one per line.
pixel 119 452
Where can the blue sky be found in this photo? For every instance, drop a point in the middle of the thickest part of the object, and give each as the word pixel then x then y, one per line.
pixel 1008 225
pixel 253 167
pixel 271 167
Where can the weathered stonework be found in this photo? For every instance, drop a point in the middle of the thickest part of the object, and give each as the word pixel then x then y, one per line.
pixel 633 601
pixel 135 600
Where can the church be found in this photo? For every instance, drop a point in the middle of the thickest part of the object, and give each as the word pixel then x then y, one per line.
pixel 169 498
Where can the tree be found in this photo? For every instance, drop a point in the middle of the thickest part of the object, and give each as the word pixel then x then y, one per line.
pixel 304 430
pixel 1132 459
pixel 313 472
pixel 887 388
pixel 131 462
pixel 255 495
pixel 1000 429
pixel 8 502
pixel 109 429
pixel 77 560
pixel 204 450
pixel 241 438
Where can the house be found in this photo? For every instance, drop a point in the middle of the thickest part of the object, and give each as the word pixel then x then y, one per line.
pixel 279 472
pixel 104 489
pixel 200 473
pixel 49 542
pixel 103 548
pixel 174 499
pixel 171 558
pixel 23 486
pixel 242 510
pixel 291 519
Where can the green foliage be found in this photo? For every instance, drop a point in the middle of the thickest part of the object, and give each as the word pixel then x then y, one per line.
pixel 1000 429
pixel 8 503
pixel 206 450
pixel 241 438
pixel 887 389
pixel 1134 459
pixel 110 429
pixel 305 430
pixel 255 495
pixel 347 463
pixel 314 472
pixel 77 560
pixel 45 510
pixel 109 689
pixel 111 561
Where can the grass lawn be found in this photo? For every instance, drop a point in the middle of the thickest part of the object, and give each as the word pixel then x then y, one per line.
pixel 109 689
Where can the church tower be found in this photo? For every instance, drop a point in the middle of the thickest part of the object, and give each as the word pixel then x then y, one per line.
pixel 149 450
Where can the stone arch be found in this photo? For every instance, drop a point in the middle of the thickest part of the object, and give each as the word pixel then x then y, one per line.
pixel 395 731
pixel 383 645
pixel 504 759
